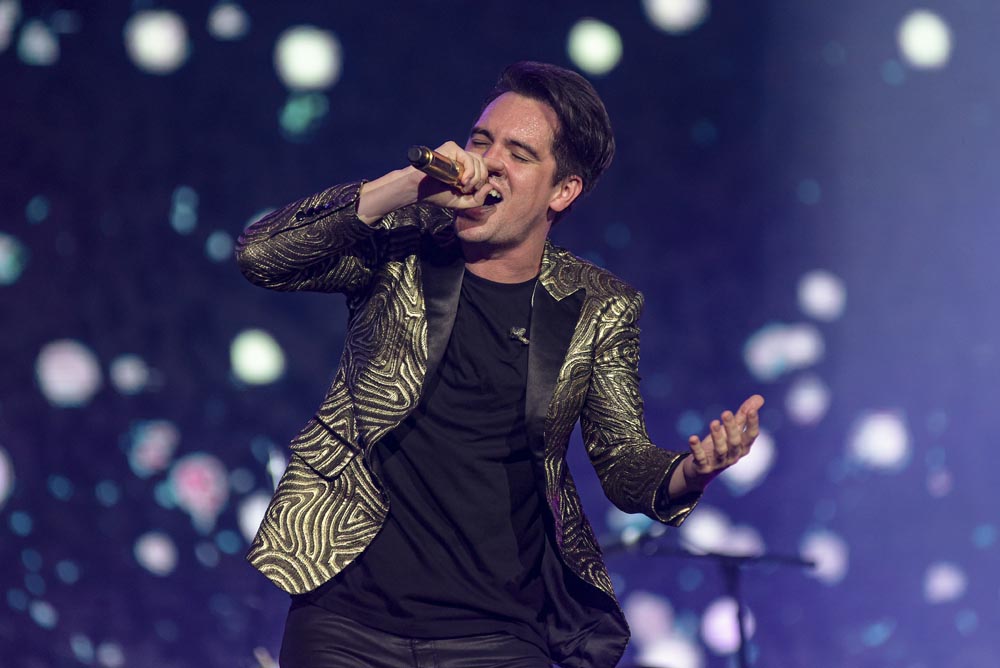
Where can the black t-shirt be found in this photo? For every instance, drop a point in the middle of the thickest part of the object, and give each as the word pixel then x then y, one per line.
pixel 460 551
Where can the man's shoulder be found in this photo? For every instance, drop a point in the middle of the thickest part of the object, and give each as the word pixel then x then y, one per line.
pixel 572 272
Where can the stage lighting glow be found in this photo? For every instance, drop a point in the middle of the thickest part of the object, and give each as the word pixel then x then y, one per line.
pixel 673 651
pixel 83 648
pixel 110 655
pixel 68 373
pixel 37 209
pixel 676 16
pixel 200 487
pixel 924 40
pixel 719 627
pixel 10 14
pixel 743 541
pixel 13 259
pixel 219 246
pixel 256 358
pixel 184 210
pixel 706 530
pixel 750 471
pixel 152 446
pixel 822 295
pixel 307 58
pixel 944 582
pixel 156 552
pixel 880 440
pixel 227 21
pixel 302 114
pixel 129 374
pixel 44 614
pixel 650 617
pixel 241 481
pixel 778 349
pixel 594 46
pixel 829 551
pixel 6 477
pixel 807 400
pixel 251 513
pixel 38 44
pixel 157 40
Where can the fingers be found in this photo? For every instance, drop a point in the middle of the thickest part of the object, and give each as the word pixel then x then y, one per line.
pixel 754 403
pixel 699 453
pixel 720 439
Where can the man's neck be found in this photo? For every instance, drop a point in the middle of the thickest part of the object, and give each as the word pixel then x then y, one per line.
pixel 503 265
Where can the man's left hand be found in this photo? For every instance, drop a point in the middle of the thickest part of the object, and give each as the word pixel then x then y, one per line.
pixel 728 441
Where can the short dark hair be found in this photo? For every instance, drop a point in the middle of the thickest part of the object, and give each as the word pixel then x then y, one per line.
pixel 584 144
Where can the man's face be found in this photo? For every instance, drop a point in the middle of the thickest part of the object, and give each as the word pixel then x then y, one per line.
pixel 515 135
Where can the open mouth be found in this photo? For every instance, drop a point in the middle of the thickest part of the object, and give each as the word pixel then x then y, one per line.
pixel 493 197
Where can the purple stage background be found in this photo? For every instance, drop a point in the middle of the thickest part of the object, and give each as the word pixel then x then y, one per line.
pixel 806 193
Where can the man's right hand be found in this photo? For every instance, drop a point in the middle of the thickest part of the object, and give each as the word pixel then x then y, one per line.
pixel 409 185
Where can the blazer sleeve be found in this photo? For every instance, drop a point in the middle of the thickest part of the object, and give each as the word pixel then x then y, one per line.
pixel 633 471
pixel 316 243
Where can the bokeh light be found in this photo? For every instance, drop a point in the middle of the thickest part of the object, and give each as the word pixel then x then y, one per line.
pixel 673 651
pixel 822 295
pixel 67 373
pixel 256 358
pixel 10 14
pixel 13 259
pixel 594 46
pixel 944 582
pixel 251 513
pixel 228 21
pixel 924 40
pixel 880 440
pixel 6 477
pixel 157 40
pixel 750 471
pixel 219 246
pixel 38 44
pixel 156 552
pixel 778 349
pixel 650 616
pixel 151 446
pixel 676 16
pixel 308 58
pixel 200 487
pixel 129 374
pixel 807 400
pixel 829 551
pixel 720 629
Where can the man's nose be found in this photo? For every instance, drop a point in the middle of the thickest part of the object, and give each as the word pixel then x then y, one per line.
pixel 493 162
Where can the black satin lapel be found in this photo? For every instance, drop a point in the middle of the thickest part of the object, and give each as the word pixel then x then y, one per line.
pixel 441 270
pixel 552 326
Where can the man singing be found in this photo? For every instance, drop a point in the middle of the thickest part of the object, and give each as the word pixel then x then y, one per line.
pixel 427 516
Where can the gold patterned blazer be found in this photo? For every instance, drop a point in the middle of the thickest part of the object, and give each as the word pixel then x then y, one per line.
pixel 402 279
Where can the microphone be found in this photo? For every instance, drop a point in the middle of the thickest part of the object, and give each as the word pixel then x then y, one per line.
pixel 518 334
pixel 435 165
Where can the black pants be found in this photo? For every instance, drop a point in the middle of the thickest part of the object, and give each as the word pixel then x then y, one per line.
pixel 317 638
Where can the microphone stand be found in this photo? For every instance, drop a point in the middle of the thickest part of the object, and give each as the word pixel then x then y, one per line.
pixel 731 566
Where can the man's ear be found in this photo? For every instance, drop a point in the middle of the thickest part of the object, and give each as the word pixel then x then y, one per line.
pixel 565 192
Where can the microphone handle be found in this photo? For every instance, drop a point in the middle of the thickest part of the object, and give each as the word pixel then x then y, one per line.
pixel 435 165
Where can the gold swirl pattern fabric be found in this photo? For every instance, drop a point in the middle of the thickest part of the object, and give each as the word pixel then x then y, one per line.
pixel 401 278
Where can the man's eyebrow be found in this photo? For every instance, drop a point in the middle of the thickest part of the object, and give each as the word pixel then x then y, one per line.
pixel 513 142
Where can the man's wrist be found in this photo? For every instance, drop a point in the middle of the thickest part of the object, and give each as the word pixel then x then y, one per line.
pixel 388 193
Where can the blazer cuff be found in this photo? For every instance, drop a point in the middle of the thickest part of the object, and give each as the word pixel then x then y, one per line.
pixel 673 511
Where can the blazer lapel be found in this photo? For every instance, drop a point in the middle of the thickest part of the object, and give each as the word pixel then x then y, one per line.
pixel 554 313
pixel 442 269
